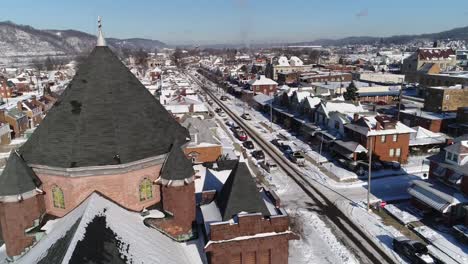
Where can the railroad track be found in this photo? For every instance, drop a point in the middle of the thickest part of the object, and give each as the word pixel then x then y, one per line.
pixel 353 236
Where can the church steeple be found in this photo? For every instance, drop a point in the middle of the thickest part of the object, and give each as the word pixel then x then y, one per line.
pixel 100 38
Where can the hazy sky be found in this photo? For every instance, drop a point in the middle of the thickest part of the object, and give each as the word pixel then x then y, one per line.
pixel 240 21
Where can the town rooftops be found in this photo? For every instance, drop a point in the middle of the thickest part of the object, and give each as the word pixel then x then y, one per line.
pixel 17 178
pixel 376 126
pixel 458 148
pixel 262 80
pixel 435 53
pixel 104 117
pixel 240 194
pixel 100 231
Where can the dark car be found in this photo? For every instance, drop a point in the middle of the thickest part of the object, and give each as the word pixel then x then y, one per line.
pixel 286 148
pixel 248 144
pixel 276 142
pixel 415 251
pixel 258 154
pixel 391 165
pixel 218 110
pixel 223 98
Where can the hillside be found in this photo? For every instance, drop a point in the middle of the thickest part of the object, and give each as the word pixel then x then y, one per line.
pixel 20 44
pixel 453 34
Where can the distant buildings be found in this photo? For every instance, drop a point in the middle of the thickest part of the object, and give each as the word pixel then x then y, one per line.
pixel 445 99
pixel 444 57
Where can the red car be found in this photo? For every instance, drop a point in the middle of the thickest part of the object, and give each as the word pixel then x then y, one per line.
pixel 241 135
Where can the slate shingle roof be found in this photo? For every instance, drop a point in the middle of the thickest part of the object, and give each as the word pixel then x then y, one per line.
pixel 17 177
pixel 240 194
pixel 177 166
pixel 104 117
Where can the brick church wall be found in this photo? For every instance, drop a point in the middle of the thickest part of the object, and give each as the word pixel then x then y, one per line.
pixel 120 188
pixel 15 218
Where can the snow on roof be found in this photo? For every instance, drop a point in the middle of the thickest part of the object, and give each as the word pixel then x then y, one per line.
pixel 422 136
pixel 262 80
pixel 400 128
pixel 313 101
pixel 342 107
pixel 283 61
pixel 138 243
pixel 301 95
pixel 295 61
pixel 211 214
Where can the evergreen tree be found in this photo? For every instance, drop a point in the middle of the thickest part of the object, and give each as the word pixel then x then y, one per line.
pixel 351 93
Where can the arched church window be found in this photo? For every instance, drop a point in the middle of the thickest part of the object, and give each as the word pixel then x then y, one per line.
pixel 58 198
pixel 146 190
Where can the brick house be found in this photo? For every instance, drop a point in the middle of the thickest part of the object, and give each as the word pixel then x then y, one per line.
pixel 389 138
pixel 44 102
pixel 460 127
pixel 7 88
pixel 244 224
pixel 17 120
pixel 325 77
pixel 203 146
pixel 446 191
pixel 445 99
pixel 435 122
pixel 263 85
pixel 32 111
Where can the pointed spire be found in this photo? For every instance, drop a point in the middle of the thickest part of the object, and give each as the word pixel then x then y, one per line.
pixel 101 42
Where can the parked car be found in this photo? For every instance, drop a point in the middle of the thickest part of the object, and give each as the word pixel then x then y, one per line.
pixel 222 114
pixel 415 251
pixel 246 116
pixel 269 166
pixel 362 167
pixel 258 154
pixel 218 110
pixel 286 148
pixel 241 135
pixel 276 142
pixel 230 123
pixel 248 144
pixel 297 157
pixel 223 98
pixel 391 165
pixel 348 164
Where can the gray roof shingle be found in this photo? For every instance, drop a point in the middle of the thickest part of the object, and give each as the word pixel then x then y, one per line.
pixel 177 166
pixel 104 117
pixel 17 177
pixel 240 194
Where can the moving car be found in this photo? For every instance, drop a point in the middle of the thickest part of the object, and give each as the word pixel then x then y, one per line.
pixel 415 251
pixel 248 144
pixel 246 116
pixel 258 154
pixel 223 98
pixel 269 165
pixel 297 157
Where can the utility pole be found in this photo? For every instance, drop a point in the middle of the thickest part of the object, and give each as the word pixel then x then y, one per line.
pixel 399 103
pixel 271 115
pixel 369 175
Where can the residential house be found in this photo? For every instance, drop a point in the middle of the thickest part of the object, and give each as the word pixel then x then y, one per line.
pixel 7 88
pixel 283 65
pixel 322 114
pixel 447 190
pixel 435 122
pixel 203 145
pixel 445 99
pixel 298 98
pixel 325 77
pixel 309 106
pixel 17 120
pixel 263 85
pixel 32 111
pixel 388 138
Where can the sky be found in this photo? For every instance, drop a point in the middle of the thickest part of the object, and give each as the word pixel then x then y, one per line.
pixel 240 21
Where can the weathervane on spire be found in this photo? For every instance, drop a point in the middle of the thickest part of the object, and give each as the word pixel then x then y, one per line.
pixel 100 38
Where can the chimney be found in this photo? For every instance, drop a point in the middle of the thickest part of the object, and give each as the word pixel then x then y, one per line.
pixel 19 105
pixel 356 117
